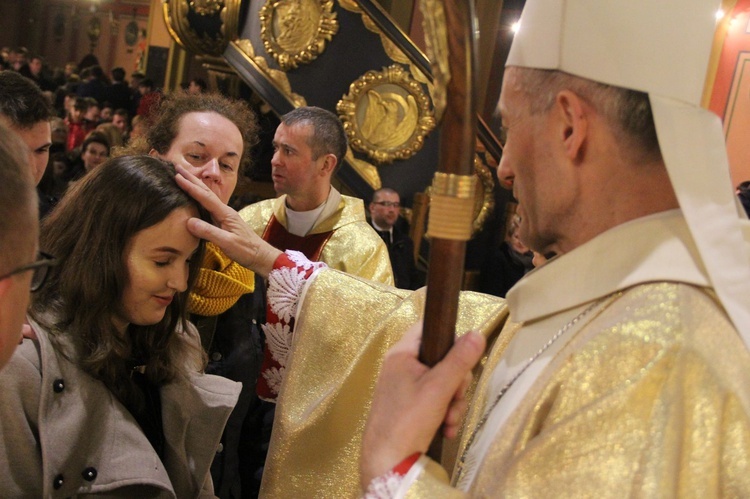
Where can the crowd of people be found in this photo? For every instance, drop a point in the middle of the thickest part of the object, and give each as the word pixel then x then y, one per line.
pixel 174 347
pixel 95 113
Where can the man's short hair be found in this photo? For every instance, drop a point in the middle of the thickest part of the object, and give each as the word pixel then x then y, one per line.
pixel 328 135
pixel 22 101
pixel 383 190
pixel 627 111
pixel 118 74
pixel 17 198
pixel 81 104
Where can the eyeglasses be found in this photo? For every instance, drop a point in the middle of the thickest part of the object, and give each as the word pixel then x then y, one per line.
pixel 40 267
pixel 388 204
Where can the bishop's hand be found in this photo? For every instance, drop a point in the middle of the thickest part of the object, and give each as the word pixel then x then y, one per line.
pixel 411 401
pixel 230 232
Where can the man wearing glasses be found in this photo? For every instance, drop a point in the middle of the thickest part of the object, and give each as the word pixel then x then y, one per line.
pixel 19 230
pixel 384 212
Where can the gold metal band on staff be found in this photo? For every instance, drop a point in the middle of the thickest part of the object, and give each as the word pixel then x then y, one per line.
pixel 452 206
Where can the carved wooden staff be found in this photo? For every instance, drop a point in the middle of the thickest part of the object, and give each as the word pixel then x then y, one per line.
pixel 453 190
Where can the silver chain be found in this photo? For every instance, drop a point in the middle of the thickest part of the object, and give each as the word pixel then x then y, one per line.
pixel 504 389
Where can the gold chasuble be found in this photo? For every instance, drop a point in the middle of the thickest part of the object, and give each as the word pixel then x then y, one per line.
pixel 341 237
pixel 326 395
pixel 353 246
pixel 646 394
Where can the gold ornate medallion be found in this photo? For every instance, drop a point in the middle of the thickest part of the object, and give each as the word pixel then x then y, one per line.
pixel 295 32
pixel 386 114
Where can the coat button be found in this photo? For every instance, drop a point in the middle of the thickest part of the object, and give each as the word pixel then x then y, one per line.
pixel 58 385
pixel 216 356
pixel 220 448
pixel 58 482
pixel 89 474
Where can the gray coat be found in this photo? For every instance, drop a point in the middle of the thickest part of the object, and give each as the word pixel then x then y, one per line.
pixel 63 433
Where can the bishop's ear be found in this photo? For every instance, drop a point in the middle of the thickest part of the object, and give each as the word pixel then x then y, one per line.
pixel 573 114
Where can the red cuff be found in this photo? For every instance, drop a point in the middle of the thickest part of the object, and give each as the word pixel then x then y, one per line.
pixel 404 466
pixel 283 261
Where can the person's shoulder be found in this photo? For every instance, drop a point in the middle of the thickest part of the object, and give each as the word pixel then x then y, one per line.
pixel 258 212
pixel 21 377
pixel 676 320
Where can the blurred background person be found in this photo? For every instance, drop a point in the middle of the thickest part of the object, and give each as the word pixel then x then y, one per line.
pixel 25 110
pixel 507 263
pixel 384 213
pixel 197 86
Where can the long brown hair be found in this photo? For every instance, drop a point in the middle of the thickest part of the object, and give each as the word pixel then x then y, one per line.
pixel 88 232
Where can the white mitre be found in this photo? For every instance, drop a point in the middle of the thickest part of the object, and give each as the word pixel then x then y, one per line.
pixel 660 47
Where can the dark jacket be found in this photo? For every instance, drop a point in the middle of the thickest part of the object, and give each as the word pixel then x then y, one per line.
pixel 401 252
pixel 233 341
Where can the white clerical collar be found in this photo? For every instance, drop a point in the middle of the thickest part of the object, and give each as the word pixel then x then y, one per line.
pixel 653 248
pixel 381 229
pixel 301 222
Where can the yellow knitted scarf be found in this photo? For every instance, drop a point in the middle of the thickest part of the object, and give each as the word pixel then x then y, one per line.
pixel 220 283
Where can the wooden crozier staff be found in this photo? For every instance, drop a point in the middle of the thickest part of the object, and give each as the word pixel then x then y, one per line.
pixel 453 188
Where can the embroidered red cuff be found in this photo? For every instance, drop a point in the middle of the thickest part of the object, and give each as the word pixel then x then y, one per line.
pixel 385 486
pixel 291 270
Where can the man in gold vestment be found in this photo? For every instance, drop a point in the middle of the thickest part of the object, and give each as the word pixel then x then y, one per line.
pixel 623 368
pixel 312 217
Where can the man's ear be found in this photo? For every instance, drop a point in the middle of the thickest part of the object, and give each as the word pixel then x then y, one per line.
pixel 154 153
pixel 574 123
pixel 329 164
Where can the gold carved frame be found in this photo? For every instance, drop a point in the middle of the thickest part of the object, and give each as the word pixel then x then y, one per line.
pixel 176 12
pixel 386 114
pixel 295 32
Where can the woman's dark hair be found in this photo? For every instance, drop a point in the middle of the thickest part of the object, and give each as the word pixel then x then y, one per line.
pixel 89 232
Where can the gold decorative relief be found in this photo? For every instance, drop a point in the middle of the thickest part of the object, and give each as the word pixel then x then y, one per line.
pixel 484 200
pixel 295 32
pixel 436 41
pixel 206 7
pixel 213 39
pixel 386 114
pixel 389 47
pixel 278 77
pixel 365 170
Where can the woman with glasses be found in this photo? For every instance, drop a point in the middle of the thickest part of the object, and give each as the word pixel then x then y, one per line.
pixel 109 398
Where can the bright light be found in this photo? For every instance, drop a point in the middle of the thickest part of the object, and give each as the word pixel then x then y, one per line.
pixel 719 14
pixel 515 26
